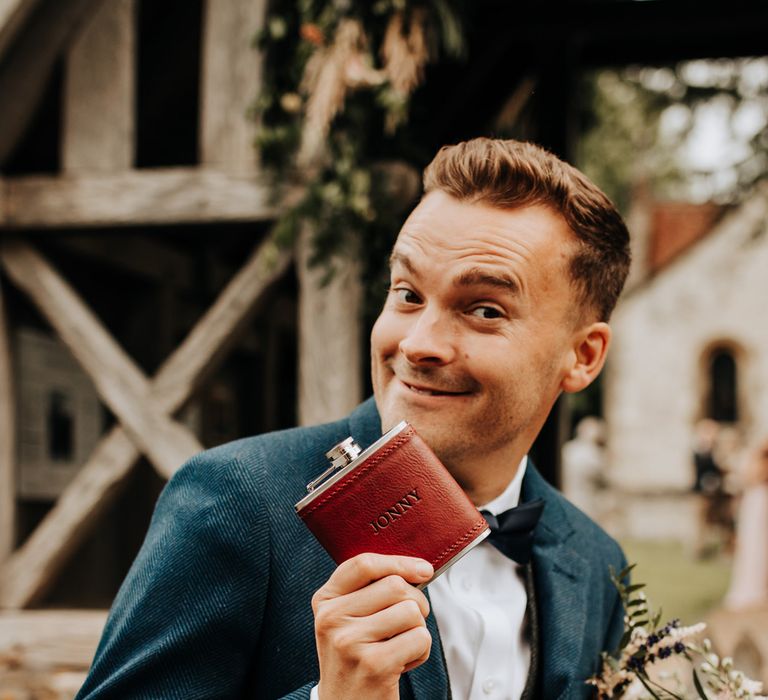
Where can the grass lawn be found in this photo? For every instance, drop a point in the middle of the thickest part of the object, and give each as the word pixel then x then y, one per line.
pixel 676 581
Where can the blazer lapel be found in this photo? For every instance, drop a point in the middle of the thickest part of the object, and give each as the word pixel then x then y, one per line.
pixel 560 578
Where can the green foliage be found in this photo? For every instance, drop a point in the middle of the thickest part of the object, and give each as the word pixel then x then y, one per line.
pixel 344 201
pixel 646 643
pixel 642 126
pixel 618 149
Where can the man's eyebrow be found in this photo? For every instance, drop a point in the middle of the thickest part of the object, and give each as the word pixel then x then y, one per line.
pixel 473 277
pixel 400 259
pixel 478 276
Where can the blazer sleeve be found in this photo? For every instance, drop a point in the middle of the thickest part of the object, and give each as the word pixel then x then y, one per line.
pixel 188 616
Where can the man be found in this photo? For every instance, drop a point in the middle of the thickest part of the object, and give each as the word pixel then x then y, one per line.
pixel 503 278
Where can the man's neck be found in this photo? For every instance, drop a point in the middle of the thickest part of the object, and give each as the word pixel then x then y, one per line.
pixel 485 482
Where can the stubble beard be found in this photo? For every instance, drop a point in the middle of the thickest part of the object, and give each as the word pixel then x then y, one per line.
pixel 461 441
pixel 473 439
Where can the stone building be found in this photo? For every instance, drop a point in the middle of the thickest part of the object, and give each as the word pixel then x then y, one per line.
pixel 691 342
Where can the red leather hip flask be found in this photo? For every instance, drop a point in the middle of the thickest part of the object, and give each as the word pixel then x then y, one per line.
pixel 396 497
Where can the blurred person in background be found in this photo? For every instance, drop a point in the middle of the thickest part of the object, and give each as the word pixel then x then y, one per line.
pixel 709 475
pixel 713 508
pixel 584 466
pixel 749 576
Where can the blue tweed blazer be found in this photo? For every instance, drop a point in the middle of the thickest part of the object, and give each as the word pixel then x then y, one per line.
pixel 217 603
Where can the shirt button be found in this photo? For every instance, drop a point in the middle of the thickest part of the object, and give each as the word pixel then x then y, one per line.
pixel 466 583
pixel 489 685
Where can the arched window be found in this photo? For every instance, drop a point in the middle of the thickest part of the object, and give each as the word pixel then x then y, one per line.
pixel 722 395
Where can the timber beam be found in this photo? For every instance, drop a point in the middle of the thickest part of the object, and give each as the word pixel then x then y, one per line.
pixel 7 438
pixel 135 197
pixel 13 14
pixel 30 57
pixel 231 73
pixel 99 104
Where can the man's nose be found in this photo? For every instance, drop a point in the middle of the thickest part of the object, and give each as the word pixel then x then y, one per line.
pixel 429 340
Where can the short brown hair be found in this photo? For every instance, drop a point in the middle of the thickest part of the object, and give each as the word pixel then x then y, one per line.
pixel 510 174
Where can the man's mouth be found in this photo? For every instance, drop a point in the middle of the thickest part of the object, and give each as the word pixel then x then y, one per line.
pixel 430 391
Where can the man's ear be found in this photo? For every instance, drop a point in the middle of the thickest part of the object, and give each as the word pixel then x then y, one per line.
pixel 589 352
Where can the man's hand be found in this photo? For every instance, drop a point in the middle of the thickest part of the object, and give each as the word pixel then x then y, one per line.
pixel 370 626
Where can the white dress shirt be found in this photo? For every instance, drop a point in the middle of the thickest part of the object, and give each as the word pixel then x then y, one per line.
pixel 479 605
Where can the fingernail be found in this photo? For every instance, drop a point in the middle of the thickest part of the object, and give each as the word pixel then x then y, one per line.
pixel 424 568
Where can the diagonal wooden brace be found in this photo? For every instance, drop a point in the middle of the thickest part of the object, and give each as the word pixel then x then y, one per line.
pixel 27 573
pixel 120 383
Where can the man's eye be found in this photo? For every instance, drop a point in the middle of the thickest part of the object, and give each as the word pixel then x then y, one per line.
pixel 405 295
pixel 487 312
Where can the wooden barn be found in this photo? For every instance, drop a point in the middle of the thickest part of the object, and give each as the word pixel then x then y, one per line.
pixel 144 311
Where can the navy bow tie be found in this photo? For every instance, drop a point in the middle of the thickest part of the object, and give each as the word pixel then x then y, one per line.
pixel 512 530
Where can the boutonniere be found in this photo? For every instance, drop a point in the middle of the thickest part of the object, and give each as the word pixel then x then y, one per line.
pixel 646 643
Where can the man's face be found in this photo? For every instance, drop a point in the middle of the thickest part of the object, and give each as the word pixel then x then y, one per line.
pixel 476 334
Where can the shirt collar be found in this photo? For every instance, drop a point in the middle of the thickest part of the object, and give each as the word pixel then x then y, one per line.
pixel 510 497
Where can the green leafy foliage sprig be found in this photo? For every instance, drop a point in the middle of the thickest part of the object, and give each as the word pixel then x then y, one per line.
pixel 646 643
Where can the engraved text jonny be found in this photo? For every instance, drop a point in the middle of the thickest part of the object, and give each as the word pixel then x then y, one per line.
pixel 397 510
